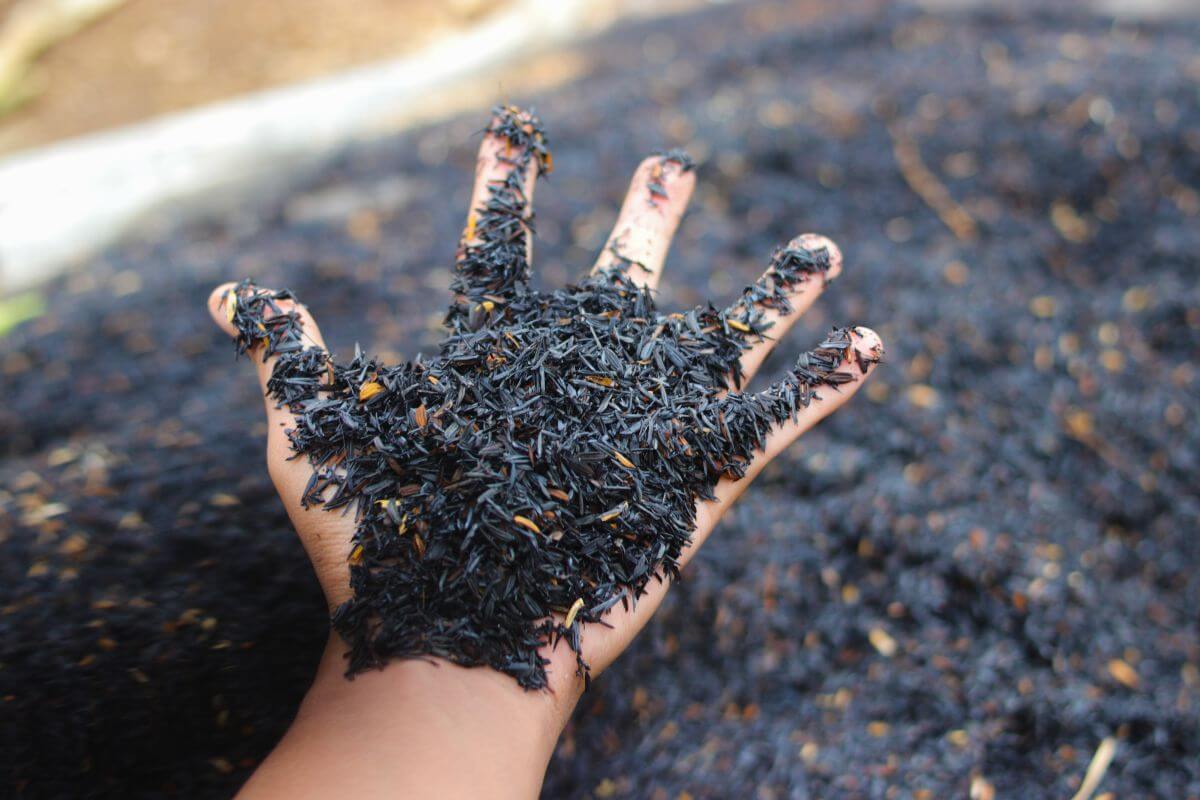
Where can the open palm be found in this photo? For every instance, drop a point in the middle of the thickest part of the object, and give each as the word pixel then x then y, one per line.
pixel 566 452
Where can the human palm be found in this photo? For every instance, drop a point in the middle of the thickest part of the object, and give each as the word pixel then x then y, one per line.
pixel 566 452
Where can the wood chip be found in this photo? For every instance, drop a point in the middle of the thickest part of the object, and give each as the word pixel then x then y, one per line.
pixel 526 522
pixel 883 642
pixel 738 325
pixel 922 395
pixel 931 190
pixel 576 607
pixel 369 390
pixel 1123 673
pixel 1096 769
pixel 981 789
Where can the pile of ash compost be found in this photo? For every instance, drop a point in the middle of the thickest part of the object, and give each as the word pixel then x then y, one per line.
pixel 967 580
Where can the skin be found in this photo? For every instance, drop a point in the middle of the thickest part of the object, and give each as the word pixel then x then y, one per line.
pixel 433 729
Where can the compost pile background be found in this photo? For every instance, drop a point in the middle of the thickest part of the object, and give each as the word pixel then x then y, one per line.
pixel 973 574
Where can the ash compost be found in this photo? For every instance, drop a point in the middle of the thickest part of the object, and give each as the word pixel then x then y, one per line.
pixel 965 581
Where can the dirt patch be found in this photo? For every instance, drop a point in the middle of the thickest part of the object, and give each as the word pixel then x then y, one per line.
pixel 151 57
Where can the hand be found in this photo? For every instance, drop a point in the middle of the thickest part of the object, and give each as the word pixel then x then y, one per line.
pixel 480 711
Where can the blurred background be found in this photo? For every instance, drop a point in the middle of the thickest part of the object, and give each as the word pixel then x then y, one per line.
pixel 978 580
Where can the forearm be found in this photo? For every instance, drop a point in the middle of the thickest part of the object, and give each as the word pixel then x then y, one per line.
pixel 416 730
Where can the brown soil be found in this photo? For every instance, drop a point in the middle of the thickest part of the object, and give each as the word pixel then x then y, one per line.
pixel 149 57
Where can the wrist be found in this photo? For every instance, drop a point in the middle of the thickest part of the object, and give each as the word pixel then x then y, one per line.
pixel 463 696
pixel 422 727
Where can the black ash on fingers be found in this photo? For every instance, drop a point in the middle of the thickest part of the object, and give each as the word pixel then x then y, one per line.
pixel 261 320
pixel 546 466
pixel 493 257
pixel 677 158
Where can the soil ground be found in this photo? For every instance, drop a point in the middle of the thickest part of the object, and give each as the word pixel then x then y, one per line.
pixel 963 582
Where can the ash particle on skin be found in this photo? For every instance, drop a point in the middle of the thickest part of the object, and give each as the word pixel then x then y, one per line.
pixel 546 466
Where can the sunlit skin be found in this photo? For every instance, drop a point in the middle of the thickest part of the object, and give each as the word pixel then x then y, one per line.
pixel 425 728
